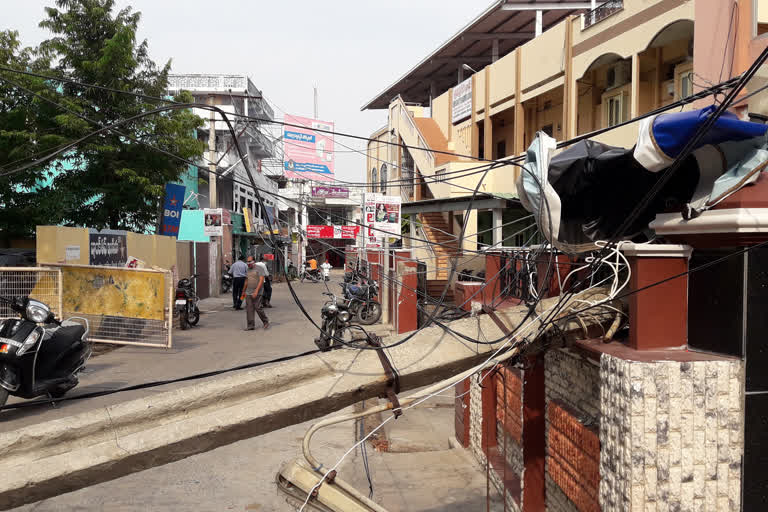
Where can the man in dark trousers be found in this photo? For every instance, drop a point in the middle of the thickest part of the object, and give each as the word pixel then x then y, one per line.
pixel 254 295
pixel 267 282
pixel 239 271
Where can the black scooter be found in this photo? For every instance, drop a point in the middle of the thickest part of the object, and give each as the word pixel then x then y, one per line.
pixel 37 359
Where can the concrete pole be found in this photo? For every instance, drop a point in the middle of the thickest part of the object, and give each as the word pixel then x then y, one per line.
pixel 212 156
pixel 497 227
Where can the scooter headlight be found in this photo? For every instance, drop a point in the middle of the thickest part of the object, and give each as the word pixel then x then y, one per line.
pixel 330 308
pixel 344 316
pixel 37 311
pixel 30 342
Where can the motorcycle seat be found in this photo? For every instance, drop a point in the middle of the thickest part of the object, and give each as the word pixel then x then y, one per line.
pixel 356 290
pixel 61 339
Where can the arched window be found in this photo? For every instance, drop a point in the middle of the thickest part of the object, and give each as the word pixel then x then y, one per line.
pixel 374 179
pixel 383 178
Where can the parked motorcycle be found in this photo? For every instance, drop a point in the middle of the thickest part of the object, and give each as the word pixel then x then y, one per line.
pixel 40 355
pixel 335 323
pixel 226 280
pixel 360 292
pixel 186 303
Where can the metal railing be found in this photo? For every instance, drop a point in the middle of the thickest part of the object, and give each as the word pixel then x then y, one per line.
pixel 601 12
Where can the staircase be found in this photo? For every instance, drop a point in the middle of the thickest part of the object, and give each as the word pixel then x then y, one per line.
pixel 444 246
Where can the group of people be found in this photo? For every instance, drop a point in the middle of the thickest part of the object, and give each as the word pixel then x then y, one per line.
pixel 251 281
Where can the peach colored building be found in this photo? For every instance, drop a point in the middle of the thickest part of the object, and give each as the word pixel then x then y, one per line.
pixel 566 68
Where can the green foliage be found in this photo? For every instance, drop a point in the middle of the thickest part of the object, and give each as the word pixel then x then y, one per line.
pixel 110 180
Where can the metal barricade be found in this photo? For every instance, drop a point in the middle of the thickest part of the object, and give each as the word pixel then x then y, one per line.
pixel 41 283
pixel 123 305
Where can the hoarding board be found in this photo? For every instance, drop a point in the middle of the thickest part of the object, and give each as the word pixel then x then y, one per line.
pixel 308 154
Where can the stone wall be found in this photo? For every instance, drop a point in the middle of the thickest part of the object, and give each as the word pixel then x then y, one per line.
pixel 671 435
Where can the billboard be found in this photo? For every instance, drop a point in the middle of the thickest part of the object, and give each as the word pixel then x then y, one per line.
pixel 174 200
pixel 462 101
pixel 307 154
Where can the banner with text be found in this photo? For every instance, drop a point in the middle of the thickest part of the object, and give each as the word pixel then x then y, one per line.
pixel 308 154
pixel 382 215
pixel 174 200
pixel 349 232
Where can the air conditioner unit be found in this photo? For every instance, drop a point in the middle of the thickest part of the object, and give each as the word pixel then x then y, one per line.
pixel 619 74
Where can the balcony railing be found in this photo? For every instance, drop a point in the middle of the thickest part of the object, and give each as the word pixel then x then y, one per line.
pixel 601 12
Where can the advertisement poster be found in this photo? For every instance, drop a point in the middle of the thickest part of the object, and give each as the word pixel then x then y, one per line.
pixel 174 200
pixel 462 101
pixel 308 154
pixel 107 248
pixel 387 219
pixel 213 222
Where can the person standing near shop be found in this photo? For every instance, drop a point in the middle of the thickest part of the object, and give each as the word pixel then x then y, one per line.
pixel 239 271
pixel 267 282
pixel 254 295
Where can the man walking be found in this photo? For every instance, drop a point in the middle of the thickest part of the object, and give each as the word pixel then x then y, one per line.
pixel 267 282
pixel 239 271
pixel 254 295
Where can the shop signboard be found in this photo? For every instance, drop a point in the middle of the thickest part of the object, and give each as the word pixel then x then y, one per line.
pixel 337 232
pixel 174 200
pixel 330 192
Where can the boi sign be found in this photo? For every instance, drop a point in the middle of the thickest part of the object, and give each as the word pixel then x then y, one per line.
pixel 174 200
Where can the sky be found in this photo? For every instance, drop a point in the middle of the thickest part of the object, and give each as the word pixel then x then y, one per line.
pixel 350 49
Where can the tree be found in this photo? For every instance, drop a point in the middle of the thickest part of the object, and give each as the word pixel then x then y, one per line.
pixel 112 179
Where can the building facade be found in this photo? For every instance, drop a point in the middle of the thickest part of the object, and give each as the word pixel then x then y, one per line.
pixel 567 69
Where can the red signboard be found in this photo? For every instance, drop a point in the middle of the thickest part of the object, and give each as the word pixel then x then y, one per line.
pixel 333 232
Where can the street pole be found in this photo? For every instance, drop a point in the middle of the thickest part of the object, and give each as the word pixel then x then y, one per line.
pixel 385 283
pixel 212 156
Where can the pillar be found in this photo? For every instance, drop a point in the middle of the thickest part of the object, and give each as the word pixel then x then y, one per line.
pixel 498 227
pixel 659 314
pixel 635 94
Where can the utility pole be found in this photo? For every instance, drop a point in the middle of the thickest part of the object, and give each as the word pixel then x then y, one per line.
pixel 212 155
pixel 315 88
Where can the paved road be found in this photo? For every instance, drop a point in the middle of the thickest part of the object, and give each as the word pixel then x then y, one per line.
pixel 218 342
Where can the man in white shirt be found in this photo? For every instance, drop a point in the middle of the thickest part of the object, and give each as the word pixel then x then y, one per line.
pixel 326 270
pixel 267 282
